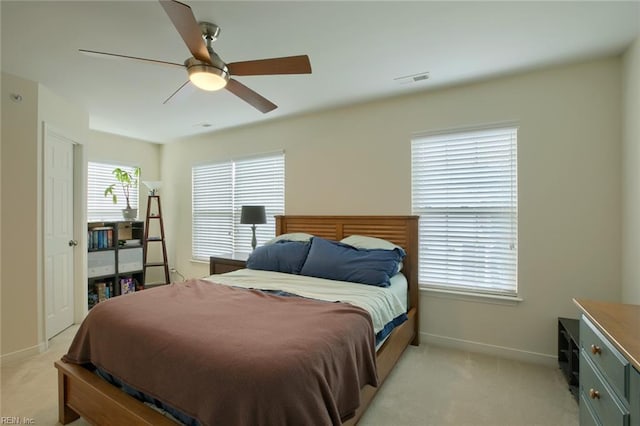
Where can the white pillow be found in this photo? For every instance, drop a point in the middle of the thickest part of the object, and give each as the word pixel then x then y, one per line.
pixel 294 236
pixel 367 243
pixel 362 242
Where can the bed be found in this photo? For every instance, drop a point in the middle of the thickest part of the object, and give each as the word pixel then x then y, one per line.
pixel 82 393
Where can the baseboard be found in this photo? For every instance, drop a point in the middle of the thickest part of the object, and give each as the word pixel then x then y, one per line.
pixel 22 353
pixel 499 351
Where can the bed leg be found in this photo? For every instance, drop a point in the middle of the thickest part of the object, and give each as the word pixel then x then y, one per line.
pixel 65 413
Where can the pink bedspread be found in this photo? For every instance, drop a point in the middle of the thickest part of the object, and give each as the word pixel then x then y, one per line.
pixel 229 356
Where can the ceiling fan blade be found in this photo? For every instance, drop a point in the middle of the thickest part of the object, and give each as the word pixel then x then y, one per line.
pixel 252 98
pixel 115 55
pixel 286 65
pixel 180 93
pixel 186 24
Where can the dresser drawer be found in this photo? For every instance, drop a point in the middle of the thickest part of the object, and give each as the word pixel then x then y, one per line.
pixel 587 418
pixel 605 357
pixel 600 397
pixel 634 396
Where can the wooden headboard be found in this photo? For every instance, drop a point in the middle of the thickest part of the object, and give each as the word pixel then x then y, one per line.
pixel 400 230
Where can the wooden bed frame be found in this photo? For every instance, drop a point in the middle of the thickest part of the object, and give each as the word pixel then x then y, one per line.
pixel 83 393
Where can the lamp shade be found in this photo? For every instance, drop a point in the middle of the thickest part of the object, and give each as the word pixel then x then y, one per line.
pixel 153 185
pixel 253 215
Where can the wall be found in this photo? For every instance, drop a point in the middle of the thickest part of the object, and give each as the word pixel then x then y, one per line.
pixel 356 160
pixel 631 175
pixel 19 215
pixel 22 182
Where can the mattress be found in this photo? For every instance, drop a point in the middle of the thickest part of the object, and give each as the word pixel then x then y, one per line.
pixel 387 306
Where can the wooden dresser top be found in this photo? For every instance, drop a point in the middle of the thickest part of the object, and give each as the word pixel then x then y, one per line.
pixel 620 323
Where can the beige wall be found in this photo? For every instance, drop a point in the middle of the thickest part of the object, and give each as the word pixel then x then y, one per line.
pixel 631 175
pixel 19 231
pixel 22 183
pixel 356 160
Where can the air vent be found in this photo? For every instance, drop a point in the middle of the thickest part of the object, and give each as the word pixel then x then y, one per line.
pixel 414 78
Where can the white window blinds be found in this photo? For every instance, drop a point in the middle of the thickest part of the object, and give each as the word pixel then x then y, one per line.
pixel 464 188
pixel 219 192
pixel 99 207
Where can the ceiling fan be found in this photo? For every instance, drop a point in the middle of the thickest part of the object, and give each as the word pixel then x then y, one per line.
pixel 207 71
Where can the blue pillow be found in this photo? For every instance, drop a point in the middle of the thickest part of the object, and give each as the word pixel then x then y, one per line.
pixel 281 256
pixel 342 262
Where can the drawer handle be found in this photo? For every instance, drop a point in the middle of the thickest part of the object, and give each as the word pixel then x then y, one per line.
pixel 594 394
pixel 595 349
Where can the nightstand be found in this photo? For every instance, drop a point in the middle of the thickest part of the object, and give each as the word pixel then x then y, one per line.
pixel 227 262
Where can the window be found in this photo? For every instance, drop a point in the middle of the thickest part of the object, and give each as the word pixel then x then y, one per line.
pixel 464 188
pixel 219 192
pixel 99 207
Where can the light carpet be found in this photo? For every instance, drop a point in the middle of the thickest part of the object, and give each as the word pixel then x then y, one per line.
pixel 429 386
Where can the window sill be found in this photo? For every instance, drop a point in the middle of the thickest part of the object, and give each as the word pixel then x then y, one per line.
pixel 472 297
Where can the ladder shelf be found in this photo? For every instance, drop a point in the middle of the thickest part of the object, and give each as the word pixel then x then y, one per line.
pixel 155 239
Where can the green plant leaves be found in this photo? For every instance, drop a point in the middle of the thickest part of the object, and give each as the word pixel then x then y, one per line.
pixel 126 179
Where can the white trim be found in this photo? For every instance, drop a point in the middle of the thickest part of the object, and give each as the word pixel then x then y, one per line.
pixel 471 296
pixel 237 158
pixel 485 348
pixel 461 129
pixel 80 229
pixel 23 353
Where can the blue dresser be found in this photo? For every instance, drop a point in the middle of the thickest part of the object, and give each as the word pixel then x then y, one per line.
pixel 609 364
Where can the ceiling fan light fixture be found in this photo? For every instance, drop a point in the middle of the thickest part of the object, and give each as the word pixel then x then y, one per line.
pixel 207 77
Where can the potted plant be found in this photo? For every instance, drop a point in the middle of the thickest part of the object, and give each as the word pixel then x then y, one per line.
pixel 126 180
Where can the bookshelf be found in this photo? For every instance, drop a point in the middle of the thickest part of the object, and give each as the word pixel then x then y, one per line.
pixel 114 259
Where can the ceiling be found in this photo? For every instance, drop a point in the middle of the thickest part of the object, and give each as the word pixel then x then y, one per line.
pixel 357 50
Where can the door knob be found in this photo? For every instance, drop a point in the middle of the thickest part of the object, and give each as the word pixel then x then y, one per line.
pixel 73 243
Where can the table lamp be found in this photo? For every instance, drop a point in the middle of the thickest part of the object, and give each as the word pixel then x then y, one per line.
pixel 252 215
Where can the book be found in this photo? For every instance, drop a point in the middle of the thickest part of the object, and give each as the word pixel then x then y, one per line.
pixel 92 297
pixel 101 290
pixel 127 285
pixel 100 237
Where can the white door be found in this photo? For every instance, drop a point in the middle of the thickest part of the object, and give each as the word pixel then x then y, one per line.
pixel 59 243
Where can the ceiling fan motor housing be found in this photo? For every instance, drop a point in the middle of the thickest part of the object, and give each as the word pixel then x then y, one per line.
pixel 210 31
